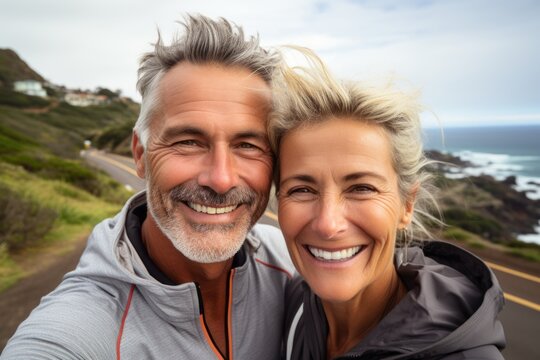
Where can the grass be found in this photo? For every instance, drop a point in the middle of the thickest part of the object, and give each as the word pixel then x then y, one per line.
pixel 525 253
pixel 10 272
pixel 78 211
pixel 458 234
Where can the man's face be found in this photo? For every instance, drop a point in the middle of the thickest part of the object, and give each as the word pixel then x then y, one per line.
pixel 208 163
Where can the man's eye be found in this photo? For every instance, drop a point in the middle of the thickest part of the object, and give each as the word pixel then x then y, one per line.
pixel 247 146
pixel 187 142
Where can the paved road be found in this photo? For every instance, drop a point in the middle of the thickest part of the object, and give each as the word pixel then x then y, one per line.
pixel 519 279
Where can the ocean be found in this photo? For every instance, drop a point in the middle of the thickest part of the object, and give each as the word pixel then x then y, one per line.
pixel 499 151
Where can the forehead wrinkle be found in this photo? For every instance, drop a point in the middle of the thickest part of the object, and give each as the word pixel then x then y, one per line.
pixel 181 95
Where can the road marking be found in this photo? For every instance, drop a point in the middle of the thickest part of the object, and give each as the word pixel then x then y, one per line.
pixel 115 163
pixel 513 272
pixel 522 301
pixel 273 216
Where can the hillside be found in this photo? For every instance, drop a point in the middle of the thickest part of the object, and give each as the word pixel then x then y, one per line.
pixel 13 68
pixel 48 196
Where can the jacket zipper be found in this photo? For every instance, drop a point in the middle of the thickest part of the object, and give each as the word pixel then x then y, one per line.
pixel 228 321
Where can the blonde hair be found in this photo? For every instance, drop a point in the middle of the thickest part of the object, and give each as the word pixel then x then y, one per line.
pixel 309 95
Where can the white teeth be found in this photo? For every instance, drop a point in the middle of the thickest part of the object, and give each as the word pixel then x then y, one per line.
pixel 340 255
pixel 211 210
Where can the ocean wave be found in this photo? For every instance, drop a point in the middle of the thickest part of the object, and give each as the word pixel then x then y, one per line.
pixel 534 238
pixel 501 166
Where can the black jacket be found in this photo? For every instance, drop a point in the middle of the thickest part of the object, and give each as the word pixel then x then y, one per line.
pixel 450 312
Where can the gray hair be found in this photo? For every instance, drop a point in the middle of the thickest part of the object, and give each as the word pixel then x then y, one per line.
pixel 308 95
pixel 203 41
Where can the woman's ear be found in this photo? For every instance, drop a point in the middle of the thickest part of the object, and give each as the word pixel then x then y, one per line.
pixel 409 208
pixel 137 149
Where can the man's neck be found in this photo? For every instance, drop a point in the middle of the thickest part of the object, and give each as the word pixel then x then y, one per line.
pixel 212 279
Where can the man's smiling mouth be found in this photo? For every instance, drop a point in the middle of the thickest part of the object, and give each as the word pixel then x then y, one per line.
pixel 211 210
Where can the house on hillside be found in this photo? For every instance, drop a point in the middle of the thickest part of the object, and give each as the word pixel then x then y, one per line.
pixel 85 99
pixel 30 87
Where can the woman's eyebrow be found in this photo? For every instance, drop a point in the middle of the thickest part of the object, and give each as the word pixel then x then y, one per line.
pixel 363 174
pixel 299 177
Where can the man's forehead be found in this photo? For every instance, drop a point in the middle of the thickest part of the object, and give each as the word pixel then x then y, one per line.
pixel 187 77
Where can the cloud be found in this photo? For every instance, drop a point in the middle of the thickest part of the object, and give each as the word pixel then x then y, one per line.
pixel 467 56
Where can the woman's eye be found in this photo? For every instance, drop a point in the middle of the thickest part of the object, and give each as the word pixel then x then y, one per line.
pixel 302 193
pixel 363 189
pixel 299 191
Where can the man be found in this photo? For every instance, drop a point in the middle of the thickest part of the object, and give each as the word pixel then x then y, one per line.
pixel 181 272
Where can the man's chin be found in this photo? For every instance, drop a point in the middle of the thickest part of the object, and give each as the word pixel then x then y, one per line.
pixel 210 254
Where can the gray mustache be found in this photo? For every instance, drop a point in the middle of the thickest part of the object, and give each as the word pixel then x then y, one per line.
pixel 205 195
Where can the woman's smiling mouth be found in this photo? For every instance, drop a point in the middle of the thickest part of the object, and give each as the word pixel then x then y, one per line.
pixel 339 255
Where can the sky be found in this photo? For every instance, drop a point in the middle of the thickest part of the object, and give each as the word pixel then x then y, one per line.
pixel 474 62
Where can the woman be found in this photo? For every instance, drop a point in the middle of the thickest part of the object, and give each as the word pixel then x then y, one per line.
pixel 351 187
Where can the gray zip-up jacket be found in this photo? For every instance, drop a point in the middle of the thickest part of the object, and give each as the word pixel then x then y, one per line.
pixel 111 307
pixel 450 312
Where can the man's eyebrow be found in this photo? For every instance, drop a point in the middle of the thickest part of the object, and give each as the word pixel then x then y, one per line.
pixel 173 132
pixel 258 135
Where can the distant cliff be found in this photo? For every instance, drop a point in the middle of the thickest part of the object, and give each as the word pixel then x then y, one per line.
pixel 13 68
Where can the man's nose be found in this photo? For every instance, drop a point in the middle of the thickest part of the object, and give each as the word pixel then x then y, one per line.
pixel 220 173
pixel 329 219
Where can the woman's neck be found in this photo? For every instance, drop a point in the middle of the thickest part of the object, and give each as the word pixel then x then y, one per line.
pixel 351 321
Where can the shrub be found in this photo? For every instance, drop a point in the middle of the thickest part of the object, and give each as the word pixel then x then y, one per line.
pixel 111 137
pixel 23 221
pixel 475 223
pixel 56 168
pixel 19 100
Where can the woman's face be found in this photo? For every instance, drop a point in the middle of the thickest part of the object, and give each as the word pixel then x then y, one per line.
pixel 339 206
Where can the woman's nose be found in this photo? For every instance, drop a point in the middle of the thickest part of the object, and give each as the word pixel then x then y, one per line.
pixel 329 220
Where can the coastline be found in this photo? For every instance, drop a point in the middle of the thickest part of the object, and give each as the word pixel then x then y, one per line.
pixel 515 197
pixel 510 154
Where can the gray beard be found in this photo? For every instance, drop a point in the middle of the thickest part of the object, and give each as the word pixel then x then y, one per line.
pixel 202 243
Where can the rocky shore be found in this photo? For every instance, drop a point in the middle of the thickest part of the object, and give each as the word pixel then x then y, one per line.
pixel 492 209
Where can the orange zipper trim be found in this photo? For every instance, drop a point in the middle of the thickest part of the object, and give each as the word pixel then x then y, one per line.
pixel 228 318
pixel 209 338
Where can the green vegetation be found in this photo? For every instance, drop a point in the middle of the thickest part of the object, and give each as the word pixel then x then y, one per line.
pixel 116 138
pixel 37 213
pixel 455 233
pixel 12 98
pixel 49 198
pixel 474 222
pixel 527 251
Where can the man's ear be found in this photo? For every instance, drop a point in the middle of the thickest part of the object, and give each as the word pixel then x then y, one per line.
pixel 409 208
pixel 137 149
